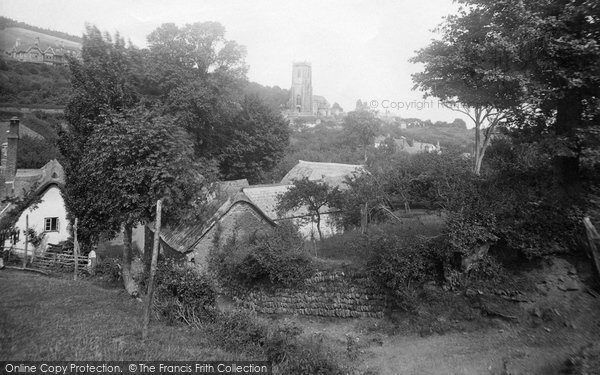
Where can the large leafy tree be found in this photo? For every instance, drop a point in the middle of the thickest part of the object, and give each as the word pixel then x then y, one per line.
pixel 361 127
pixel 199 76
pixel 257 141
pixel 120 156
pixel 132 160
pixel 466 71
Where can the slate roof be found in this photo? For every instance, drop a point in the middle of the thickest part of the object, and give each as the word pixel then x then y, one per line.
pixel 332 173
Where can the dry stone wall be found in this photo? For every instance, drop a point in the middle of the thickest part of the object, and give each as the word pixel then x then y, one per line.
pixel 328 294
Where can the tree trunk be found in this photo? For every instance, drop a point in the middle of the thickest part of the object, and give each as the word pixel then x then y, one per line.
pixel 319 227
pixel 130 284
pixel 364 211
pixel 486 142
pixel 477 140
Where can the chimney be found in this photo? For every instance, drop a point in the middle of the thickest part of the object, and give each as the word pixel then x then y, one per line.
pixel 17 43
pixel 37 41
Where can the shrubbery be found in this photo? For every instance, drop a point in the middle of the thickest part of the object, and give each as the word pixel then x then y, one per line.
pixel 279 344
pixel 400 266
pixel 108 269
pixel 278 257
pixel 182 294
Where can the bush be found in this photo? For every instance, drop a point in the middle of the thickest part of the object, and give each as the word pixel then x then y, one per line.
pixel 182 294
pixel 281 345
pixel 399 266
pixel 108 269
pixel 278 257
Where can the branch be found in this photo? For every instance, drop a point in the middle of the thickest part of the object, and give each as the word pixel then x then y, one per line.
pixel 458 110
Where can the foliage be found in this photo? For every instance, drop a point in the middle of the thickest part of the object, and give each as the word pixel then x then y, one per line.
pixel 314 195
pixel 278 343
pixel 34 238
pixel 400 266
pixel 23 83
pixel 277 257
pixel 130 161
pixel 402 181
pixel 465 70
pixel 257 141
pixel 30 199
pixel 182 294
pixel 196 75
pixel 34 153
pixel 274 97
pixel 360 129
pixel 108 269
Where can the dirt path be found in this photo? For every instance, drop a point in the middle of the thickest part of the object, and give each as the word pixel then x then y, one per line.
pixel 556 322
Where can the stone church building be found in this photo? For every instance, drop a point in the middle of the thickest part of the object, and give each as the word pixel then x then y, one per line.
pixel 302 102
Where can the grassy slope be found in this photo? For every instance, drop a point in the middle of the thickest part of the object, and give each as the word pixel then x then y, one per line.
pixel 9 35
pixel 40 320
pixel 464 138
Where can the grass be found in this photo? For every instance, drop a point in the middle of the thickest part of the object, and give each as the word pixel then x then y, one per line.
pixel 44 318
pixel 51 318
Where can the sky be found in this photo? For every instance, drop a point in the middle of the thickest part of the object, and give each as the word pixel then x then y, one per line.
pixel 358 49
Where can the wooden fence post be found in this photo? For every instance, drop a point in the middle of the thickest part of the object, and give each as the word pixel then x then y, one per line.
pixel 75 249
pixel 593 241
pixel 26 240
pixel 152 270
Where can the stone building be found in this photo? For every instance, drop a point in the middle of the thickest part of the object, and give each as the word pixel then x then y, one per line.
pixel 302 102
pixel 301 97
pixel 46 213
pixel 48 54
pixel 238 210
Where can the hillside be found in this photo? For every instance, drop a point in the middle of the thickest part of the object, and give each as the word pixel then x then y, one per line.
pixel 10 30
pixel 31 84
pixel 447 136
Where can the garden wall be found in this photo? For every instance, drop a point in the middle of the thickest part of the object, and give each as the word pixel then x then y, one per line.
pixel 332 294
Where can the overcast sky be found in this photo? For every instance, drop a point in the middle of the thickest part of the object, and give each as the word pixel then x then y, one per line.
pixel 358 49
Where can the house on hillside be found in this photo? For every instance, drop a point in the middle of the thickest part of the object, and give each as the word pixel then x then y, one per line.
pixel 57 55
pixel 240 210
pixel 43 209
pixel 416 147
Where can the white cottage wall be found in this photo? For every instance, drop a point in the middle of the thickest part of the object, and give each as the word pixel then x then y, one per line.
pixel 51 205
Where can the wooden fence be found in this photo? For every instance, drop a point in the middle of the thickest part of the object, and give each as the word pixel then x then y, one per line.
pixel 63 261
pixel 48 260
pixel 593 241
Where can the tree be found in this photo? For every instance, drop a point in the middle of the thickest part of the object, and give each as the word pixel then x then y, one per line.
pixel 314 195
pixel 130 161
pixel 121 157
pixel 361 127
pixel 336 107
pixel 257 137
pixel 464 71
pixel 199 76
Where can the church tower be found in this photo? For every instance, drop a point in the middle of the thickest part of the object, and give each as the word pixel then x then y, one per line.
pixel 301 91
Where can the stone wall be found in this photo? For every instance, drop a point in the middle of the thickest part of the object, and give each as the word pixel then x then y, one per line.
pixel 331 294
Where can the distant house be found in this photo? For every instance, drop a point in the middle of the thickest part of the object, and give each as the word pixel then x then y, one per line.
pixel 46 214
pixel 245 210
pixel 402 144
pixel 52 55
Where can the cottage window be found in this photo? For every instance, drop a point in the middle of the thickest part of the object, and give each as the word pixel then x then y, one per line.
pixel 51 224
